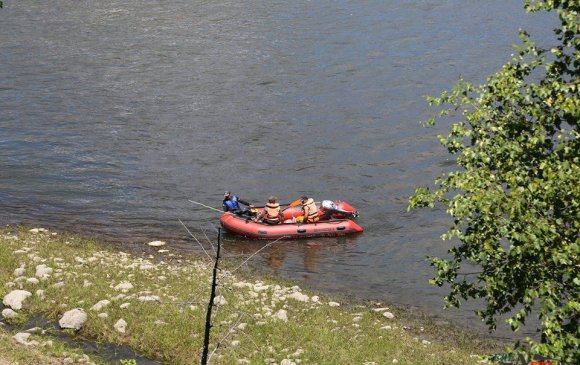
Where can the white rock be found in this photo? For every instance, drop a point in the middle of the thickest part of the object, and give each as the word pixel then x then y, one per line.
pixel 60 284
pixel 15 298
pixel 124 286
pixel 86 283
pixel 33 281
pixel 117 297
pixel 425 342
pixel 19 272
pixel 40 293
pixel 124 305
pixel 121 325
pixel 74 318
pixel 43 271
pixel 242 326
pixel 380 309
pixel 334 304
pixel 260 287
pixel 388 315
pixel 22 338
pixel 242 284
pixel 103 315
pixel 9 313
pixel 287 362
pixel 160 322
pixel 34 230
pixel 220 300
pixel 148 298
pixel 100 305
pixel 386 327
pixel 299 297
pixel 163 251
pixel 298 352
pixel 315 299
pixel 235 343
pixel 395 361
pixel 282 315
pixel 156 243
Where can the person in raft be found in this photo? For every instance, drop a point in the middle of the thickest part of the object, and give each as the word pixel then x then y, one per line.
pixel 310 211
pixel 272 214
pixel 231 204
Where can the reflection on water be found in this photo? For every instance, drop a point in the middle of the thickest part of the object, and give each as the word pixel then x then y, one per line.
pixel 114 114
pixel 291 255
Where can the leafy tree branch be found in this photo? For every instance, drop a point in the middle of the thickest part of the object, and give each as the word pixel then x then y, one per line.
pixel 515 197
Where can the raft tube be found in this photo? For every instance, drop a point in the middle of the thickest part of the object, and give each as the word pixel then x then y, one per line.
pixel 328 226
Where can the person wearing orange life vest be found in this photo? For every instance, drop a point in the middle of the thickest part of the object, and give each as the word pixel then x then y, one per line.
pixel 310 211
pixel 272 213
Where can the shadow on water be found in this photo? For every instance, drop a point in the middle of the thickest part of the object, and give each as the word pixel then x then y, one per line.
pixel 108 352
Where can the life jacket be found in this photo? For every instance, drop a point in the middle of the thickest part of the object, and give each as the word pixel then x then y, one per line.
pixel 272 213
pixel 310 211
pixel 231 204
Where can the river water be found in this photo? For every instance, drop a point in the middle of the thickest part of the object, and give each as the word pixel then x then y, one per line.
pixel 114 113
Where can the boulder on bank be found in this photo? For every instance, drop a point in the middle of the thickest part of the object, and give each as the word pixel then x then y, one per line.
pixel 9 313
pixel 156 243
pixel 124 286
pixel 15 298
pixel 100 305
pixel 299 297
pixel 74 318
pixel 281 315
pixel 22 338
pixel 120 325
pixel 43 271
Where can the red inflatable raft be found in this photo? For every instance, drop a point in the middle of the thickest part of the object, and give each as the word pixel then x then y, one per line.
pixel 336 219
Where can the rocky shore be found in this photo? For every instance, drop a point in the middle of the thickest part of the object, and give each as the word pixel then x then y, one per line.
pixel 155 303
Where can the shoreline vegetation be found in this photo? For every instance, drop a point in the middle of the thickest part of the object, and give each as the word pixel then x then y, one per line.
pixel 155 303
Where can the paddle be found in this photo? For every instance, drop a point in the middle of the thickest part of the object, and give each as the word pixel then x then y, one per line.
pixel 295 203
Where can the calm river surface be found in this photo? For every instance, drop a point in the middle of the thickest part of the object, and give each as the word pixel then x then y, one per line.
pixel 114 113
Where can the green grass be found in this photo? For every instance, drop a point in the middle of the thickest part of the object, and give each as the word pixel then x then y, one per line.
pixel 171 328
pixel 49 351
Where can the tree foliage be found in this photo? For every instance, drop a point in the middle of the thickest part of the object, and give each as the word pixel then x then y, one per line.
pixel 515 196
